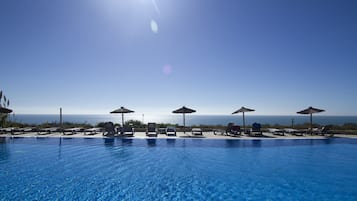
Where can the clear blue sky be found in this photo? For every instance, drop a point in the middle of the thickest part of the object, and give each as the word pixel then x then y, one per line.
pixel 93 56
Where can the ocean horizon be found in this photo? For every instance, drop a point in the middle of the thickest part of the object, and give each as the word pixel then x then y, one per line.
pixel 93 119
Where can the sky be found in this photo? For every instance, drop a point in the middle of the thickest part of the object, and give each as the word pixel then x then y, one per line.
pixel 154 56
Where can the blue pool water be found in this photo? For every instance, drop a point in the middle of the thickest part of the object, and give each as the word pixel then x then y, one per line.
pixel 181 169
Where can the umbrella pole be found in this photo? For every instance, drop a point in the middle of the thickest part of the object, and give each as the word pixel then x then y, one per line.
pixel 184 124
pixel 60 118
pixel 122 120
pixel 311 123
pixel 243 122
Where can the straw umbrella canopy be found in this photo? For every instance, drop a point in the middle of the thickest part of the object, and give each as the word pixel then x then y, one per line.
pixel 243 110
pixel 5 110
pixel 184 110
pixel 122 110
pixel 310 111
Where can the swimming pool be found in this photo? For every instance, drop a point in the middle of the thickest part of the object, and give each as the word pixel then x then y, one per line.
pixel 177 169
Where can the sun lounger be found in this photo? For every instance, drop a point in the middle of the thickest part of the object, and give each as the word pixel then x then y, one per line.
pixel 229 128
pixel 295 132
pixel 151 130
pixel 45 131
pixel 197 131
pixel 256 130
pixel 20 131
pixel 2 130
pixel 219 132
pixel 276 131
pixel 323 131
pixel 13 131
pixel 162 131
pixel 109 129
pixel 71 131
pixel 235 131
pixel 29 129
pixel 171 131
pixel 92 131
pixel 127 131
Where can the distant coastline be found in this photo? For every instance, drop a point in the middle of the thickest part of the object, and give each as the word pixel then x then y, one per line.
pixel 283 120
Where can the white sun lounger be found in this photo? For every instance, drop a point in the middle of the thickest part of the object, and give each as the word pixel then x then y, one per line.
pixel 294 131
pixel 45 131
pixel 151 130
pixel 276 131
pixel 20 131
pixel 10 130
pixel 71 131
pixel 127 131
pixel 197 131
pixel 92 131
pixel 170 131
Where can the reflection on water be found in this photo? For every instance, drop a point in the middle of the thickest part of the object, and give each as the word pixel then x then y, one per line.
pixel 256 143
pixel 177 142
pixel 118 141
pixel 151 142
pixel 127 141
pixel 108 141
pixel 4 150
pixel 2 140
pixel 171 142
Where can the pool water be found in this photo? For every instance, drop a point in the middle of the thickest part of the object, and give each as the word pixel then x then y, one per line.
pixel 177 169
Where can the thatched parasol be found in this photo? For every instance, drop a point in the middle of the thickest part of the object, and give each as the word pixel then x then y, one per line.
pixel 5 110
pixel 310 110
pixel 184 110
pixel 243 110
pixel 122 110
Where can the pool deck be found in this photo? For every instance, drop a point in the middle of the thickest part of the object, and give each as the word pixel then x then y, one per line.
pixel 181 135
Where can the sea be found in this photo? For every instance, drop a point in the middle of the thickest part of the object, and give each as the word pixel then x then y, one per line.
pixel 191 119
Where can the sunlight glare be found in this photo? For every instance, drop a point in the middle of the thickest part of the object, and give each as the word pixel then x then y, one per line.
pixel 167 69
pixel 154 26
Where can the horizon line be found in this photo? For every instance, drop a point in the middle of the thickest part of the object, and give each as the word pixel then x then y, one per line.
pixel 186 114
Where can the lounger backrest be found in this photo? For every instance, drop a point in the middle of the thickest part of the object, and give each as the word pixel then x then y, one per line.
pixel 229 126
pixel 170 129
pixel 235 128
pixel 326 128
pixel 128 129
pixel 151 127
pixel 109 127
pixel 256 127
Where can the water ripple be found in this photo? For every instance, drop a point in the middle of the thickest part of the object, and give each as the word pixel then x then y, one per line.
pixel 116 169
